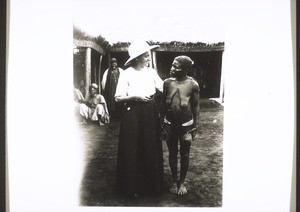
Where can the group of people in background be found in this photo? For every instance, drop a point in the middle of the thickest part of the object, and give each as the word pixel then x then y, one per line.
pixel 130 94
pixel 95 106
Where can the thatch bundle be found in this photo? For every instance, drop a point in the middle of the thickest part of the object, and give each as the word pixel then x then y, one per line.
pixel 81 35
pixel 189 46
pixel 176 46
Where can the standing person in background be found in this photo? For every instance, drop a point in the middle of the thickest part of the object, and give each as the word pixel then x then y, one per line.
pixel 109 85
pixel 140 156
pixel 180 118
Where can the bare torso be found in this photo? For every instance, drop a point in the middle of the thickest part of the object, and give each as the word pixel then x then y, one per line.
pixel 178 96
pixel 93 100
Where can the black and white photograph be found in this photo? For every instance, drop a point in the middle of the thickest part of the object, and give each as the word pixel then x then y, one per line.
pixel 130 105
pixel 149 104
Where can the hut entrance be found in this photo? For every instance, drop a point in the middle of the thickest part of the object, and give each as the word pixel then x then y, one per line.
pixel 86 67
pixel 206 69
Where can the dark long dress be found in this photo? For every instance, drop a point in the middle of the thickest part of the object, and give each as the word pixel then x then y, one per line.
pixel 110 90
pixel 140 157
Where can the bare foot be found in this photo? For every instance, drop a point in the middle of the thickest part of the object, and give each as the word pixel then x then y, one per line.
pixel 174 189
pixel 182 190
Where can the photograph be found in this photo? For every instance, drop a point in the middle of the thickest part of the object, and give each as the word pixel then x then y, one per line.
pixel 149 105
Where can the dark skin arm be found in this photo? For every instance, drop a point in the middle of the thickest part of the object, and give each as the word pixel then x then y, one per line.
pixel 163 134
pixel 195 103
pixel 195 108
pixel 164 106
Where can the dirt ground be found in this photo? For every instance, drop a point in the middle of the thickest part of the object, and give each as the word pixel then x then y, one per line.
pixel 203 181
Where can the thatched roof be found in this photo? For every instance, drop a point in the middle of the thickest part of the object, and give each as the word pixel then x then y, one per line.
pixel 83 36
pixel 179 46
pixel 175 46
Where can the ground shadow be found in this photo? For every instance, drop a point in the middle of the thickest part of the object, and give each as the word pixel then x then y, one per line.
pixel 204 179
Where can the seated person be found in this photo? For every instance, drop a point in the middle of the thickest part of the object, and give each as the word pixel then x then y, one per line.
pixel 77 96
pixel 94 107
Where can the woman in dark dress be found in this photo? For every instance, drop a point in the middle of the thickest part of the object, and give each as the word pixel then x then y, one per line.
pixel 140 159
pixel 109 85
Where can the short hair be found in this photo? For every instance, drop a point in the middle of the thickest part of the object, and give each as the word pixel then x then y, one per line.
pixel 185 62
pixel 95 86
pixel 113 60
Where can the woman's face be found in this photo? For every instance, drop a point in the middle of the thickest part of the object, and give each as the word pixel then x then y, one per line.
pixel 144 59
pixel 176 69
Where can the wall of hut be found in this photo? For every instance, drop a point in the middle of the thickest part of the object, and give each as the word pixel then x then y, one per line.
pixel 207 69
pixel 91 59
pixel 86 66
pixel 88 54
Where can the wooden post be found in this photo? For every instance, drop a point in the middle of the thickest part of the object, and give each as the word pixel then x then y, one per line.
pixel 222 82
pixel 99 74
pixel 88 67
pixel 109 58
pixel 154 61
pixel 94 70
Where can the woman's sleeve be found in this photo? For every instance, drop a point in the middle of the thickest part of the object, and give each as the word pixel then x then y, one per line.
pixel 122 85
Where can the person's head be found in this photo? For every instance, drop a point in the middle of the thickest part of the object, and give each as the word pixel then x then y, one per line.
pixel 93 89
pixel 139 53
pixel 113 63
pixel 181 65
pixel 81 83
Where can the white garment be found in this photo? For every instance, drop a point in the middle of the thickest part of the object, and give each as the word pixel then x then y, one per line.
pixel 138 82
pixel 91 113
pixel 77 95
pixel 104 77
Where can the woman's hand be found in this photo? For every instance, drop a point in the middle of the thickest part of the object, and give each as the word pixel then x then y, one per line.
pixel 132 98
pixel 142 98
pixel 163 134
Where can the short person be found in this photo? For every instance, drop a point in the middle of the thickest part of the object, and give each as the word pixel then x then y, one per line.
pixel 180 118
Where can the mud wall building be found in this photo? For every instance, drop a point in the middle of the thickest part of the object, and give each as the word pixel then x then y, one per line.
pixel 92 55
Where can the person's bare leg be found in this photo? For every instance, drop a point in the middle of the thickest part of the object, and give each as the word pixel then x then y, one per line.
pixel 173 152
pixel 184 165
pixel 173 166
